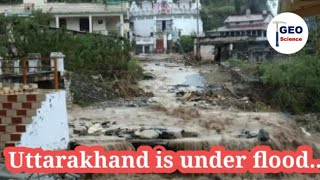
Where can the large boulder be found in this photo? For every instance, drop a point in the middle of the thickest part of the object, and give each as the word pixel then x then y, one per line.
pixel 96 129
pixel 147 134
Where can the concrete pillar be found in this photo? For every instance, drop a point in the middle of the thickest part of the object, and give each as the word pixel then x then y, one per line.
pixel 57 22
pixel 90 24
pixel 143 49
pixel 121 25
pixel 165 41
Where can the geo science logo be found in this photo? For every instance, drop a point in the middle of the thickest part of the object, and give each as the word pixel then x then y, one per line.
pixel 287 33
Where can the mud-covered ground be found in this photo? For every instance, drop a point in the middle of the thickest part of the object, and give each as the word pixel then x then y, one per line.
pixel 221 119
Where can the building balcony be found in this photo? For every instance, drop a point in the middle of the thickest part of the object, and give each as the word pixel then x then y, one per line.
pixel 144 40
pixel 63 8
pixel 149 12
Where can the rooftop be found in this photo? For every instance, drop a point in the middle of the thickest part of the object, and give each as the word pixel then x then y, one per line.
pixel 223 40
pixel 253 26
pixel 63 8
pixel 246 22
pixel 245 18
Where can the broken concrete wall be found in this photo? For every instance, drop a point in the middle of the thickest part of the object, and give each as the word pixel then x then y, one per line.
pixel 49 128
pixel 206 52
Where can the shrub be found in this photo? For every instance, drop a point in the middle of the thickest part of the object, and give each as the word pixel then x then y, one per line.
pixel 186 43
pixel 135 71
pixel 296 82
pixel 89 54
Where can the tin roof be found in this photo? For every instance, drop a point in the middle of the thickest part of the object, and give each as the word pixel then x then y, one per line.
pixel 224 40
pixel 245 18
pixel 253 26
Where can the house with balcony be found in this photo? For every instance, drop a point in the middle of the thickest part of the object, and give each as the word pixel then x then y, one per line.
pixel 156 25
pixel 101 18
pixel 241 36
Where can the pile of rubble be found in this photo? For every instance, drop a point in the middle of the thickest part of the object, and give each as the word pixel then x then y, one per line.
pixel 218 96
pixel 111 129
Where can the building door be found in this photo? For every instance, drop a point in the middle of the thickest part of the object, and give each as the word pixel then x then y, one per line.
pixel 84 24
pixel 160 45
pixel 62 23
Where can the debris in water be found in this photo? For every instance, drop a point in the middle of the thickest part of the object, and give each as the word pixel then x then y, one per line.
pixel 148 76
pixel 305 132
pixel 187 134
pixel 147 134
pixel 247 134
pixel 263 135
pixel 80 130
pixel 96 129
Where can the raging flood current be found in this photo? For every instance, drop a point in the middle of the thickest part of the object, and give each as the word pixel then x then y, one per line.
pixel 178 125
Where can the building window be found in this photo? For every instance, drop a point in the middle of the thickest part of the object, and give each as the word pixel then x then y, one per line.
pixel 264 33
pixel 100 21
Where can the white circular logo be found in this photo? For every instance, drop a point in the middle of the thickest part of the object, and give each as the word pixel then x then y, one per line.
pixel 287 33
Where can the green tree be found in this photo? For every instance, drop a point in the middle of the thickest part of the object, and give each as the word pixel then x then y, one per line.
pixel 86 53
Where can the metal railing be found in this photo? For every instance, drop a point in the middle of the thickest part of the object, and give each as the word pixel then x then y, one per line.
pixel 26 67
pixel 178 11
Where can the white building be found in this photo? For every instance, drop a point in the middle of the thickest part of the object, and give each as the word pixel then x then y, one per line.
pixel 156 25
pixel 83 17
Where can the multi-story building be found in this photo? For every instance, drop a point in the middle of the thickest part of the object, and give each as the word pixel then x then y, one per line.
pixel 157 25
pixel 101 18
pixel 241 36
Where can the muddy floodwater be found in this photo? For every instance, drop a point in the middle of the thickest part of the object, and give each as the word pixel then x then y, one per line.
pixel 193 125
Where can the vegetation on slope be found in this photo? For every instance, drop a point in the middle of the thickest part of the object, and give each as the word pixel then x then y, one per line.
pixel 89 54
pixel 296 83
pixel 291 84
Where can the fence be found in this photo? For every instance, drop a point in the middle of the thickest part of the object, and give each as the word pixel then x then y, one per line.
pixel 24 68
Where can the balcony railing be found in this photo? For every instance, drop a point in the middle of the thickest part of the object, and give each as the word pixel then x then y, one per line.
pixel 144 40
pixel 24 68
pixel 66 8
pixel 142 12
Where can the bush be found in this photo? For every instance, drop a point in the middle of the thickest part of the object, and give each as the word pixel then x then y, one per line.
pixel 186 43
pixel 134 69
pixel 90 54
pixel 296 82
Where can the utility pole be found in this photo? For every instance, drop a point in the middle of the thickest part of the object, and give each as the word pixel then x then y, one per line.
pixel 198 31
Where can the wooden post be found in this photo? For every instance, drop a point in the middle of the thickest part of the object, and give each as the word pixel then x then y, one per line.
pixel 56 77
pixel 24 71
